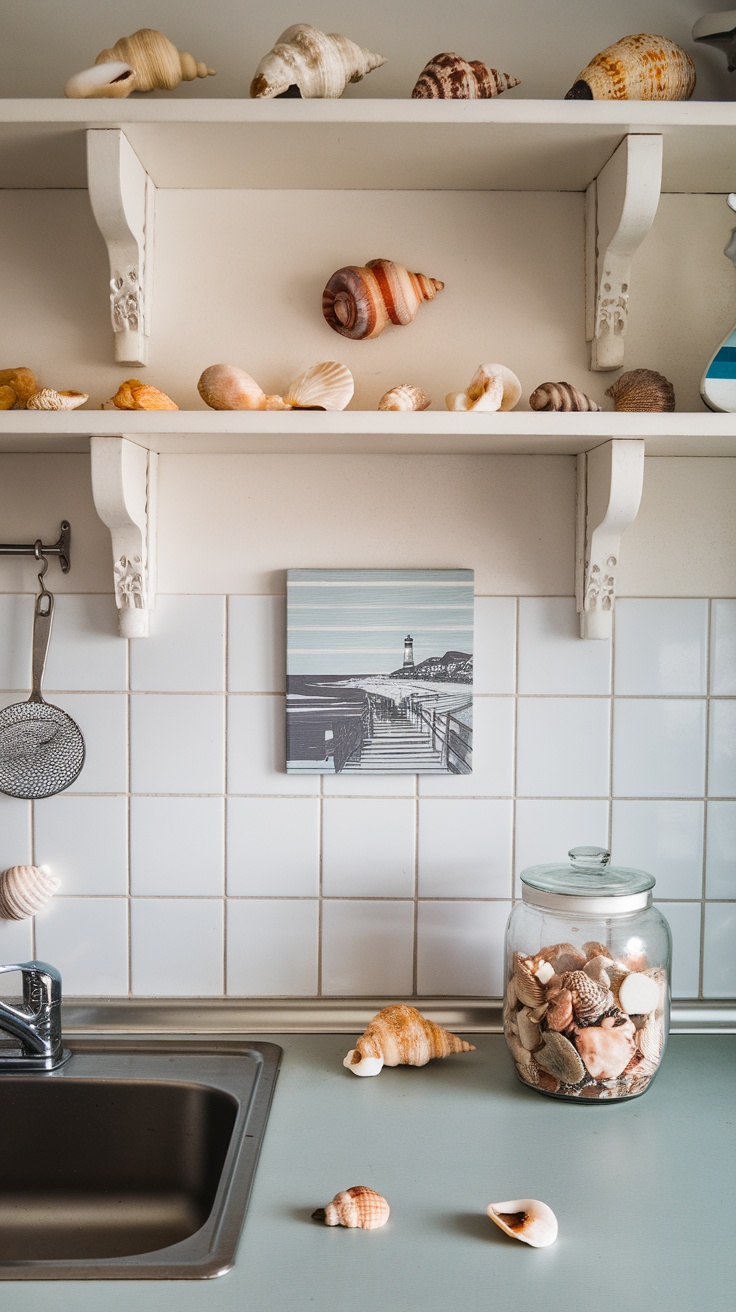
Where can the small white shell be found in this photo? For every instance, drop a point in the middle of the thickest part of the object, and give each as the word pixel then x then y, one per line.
pixel 24 890
pixel 326 386
pixel 49 399
pixel 404 397
pixel 115 79
pixel 366 1066
pixel 638 994
pixel 526 1219
pixel 492 387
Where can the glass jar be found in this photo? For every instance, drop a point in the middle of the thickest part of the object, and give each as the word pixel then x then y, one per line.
pixel 586 1009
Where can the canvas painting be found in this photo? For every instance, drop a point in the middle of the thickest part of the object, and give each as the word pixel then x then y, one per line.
pixel 379 671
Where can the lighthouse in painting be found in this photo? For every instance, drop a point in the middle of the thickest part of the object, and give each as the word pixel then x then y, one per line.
pixel 408 653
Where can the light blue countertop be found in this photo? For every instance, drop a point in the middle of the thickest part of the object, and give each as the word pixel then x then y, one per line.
pixel 643 1192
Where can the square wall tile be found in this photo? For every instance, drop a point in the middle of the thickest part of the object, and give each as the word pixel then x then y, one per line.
pixel 15 832
pixel 16 944
pixel 176 744
pixel 562 747
pixel 86 938
pixel 84 842
pixel 256 644
pixel 16 625
pixel 369 785
pixel 722 749
pixel 493 755
pixel 494 645
pixel 720 859
pixel 368 847
pixel 665 838
pixel 103 720
pixel 367 948
pixel 460 948
pixel 87 653
pixel 256 749
pixel 464 848
pixel 186 649
pixel 177 846
pixel 552 658
pixel 546 829
pixel 684 921
pixel 176 947
pixel 273 847
pixel 658 747
pixel 661 647
pixel 719 950
pixel 723 648
pixel 272 948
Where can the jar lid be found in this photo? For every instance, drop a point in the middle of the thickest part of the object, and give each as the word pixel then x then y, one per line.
pixel 589 874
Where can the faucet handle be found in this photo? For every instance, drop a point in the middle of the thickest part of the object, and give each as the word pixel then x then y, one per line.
pixel 41 984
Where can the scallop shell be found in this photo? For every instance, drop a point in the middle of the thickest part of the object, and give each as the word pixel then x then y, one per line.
pixel 357 1208
pixel 48 399
pixel 326 386
pixel 560 396
pixel 640 67
pixel 112 80
pixel 24 890
pixel 135 395
pixel 318 64
pixel 492 387
pixel 642 390
pixel 360 300
pixel 527 1219
pixel 156 61
pixel 23 382
pixel 448 77
pixel 558 1056
pixel 401 1036
pixel 404 397
pixel 529 990
pixel 606 1052
pixel 589 1000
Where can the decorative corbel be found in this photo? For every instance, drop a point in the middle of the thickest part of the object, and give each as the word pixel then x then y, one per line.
pixel 620 205
pixel 610 481
pixel 124 492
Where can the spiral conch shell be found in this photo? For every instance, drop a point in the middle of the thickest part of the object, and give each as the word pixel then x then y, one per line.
pixel 48 399
pixel 448 77
pixel 492 387
pixel 641 67
pixel 401 1036
pixel 357 1208
pixel 527 1219
pixel 318 64
pixel 325 386
pixel 560 396
pixel 404 397
pixel 135 395
pixel 113 80
pixel 642 389
pixel 156 60
pixel 24 890
pixel 360 300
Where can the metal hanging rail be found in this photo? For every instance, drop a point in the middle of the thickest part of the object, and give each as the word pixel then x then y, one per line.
pixel 62 548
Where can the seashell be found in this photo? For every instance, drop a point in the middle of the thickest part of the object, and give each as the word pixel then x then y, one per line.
pixel 559 1016
pixel 558 1056
pixel 529 1034
pixel 553 987
pixel 113 80
pixel 24 890
pixel 511 998
pixel 619 1021
pixel 492 387
pixel 543 970
pixel 317 64
pixel 651 1039
pixel 642 389
pixel 360 300
pixel 605 1052
pixel 589 1000
pixel 400 1035
pixel 326 386
pixel 527 1219
pixel 560 396
pixel 135 395
pixel 155 60
pixel 638 993
pixel 545 1081
pixel 8 398
pixel 529 990
pixel 404 397
pixel 526 1067
pixel 562 957
pixel 538 1013
pixel 448 77
pixel 225 387
pixel 596 970
pixel 48 399
pixel 595 949
pixel 23 382
pixel 357 1208
pixel 640 67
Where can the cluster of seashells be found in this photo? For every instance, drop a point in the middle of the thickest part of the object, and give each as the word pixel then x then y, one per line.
pixel 19 390
pixel 361 1208
pixel 580 1024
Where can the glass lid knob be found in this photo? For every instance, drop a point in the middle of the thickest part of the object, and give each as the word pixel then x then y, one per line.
pixel 592 859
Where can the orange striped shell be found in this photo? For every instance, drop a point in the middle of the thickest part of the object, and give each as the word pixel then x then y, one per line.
pixel 357 1208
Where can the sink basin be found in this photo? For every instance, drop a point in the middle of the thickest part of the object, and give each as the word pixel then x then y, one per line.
pixel 132 1161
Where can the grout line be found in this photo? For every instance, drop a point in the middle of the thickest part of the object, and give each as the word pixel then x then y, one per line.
pixel 320 892
pixel 612 686
pixel 706 785
pixel 415 925
pixel 515 747
pixel 224 872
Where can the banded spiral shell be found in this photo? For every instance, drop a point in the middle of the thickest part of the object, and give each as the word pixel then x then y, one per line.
pixel 642 390
pixel 404 397
pixel 135 395
pixel 324 386
pixel 48 399
pixel 24 890
pixel 492 387
pixel 589 1000
pixel 360 300
pixel 155 59
pixel 527 1219
pixel 113 80
pixel 357 1208
pixel 560 396
pixel 318 64
pixel 448 77
pixel 400 1036
pixel 640 67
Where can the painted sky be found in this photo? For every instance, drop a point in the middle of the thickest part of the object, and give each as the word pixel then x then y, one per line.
pixel 355 621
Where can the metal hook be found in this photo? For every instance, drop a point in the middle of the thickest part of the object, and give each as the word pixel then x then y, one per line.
pixel 38 553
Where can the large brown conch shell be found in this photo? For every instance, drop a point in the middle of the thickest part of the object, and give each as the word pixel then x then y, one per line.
pixel 527 1219
pixel 16 387
pixel 448 77
pixel 24 890
pixel 135 395
pixel 357 1208
pixel 155 59
pixel 641 67
pixel 313 63
pixel 360 300
pixel 642 389
pixel 560 396
pixel 401 1036
pixel 325 386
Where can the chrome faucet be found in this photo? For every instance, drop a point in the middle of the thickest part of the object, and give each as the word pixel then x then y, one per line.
pixel 37 1023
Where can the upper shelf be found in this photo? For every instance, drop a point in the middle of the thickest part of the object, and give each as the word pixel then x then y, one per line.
pixel 501 144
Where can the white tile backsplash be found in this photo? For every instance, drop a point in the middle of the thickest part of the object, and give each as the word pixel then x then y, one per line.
pixel 720 857
pixel 272 948
pixel 103 721
pixel 659 747
pixel 177 846
pixel 665 838
pixel 256 644
pixel 493 756
pixel 465 848
pixel 562 747
pixel 256 749
pixel 460 948
pixel 186 648
pixel 177 947
pixel 84 842
pixel 273 846
pixel 367 948
pixel 494 654
pixel 16 625
pixel 86 938
pixel 546 829
pixel 86 654
pixel 368 847
pixel 719 950
pixel 722 749
pixel 15 832
pixel 552 658
pixel 16 944
pixel 661 647
pixel 723 647
pixel 176 744
pixel 684 921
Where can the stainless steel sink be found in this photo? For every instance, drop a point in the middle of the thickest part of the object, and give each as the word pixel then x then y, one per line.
pixel 133 1160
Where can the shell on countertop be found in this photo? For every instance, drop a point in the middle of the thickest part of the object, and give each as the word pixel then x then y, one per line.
pixel 400 1036
pixel 325 386
pixel 492 387
pixel 319 64
pixel 357 1208
pixel 640 67
pixel 589 1000
pixel 135 395
pixel 448 77
pixel 48 399
pixel 359 301
pixel 560 396
pixel 24 890
pixel 112 80
pixel 22 382
pixel 527 1219
pixel 404 397
pixel 642 390
pixel 155 59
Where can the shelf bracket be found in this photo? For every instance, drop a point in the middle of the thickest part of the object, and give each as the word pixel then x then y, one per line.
pixel 122 197
pixel 124 492
pixel 620 205
pixel 610 481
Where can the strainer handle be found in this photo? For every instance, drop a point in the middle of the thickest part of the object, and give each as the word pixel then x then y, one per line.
pixel 43 616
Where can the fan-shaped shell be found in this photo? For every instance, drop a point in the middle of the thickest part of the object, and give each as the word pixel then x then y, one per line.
pixel 360 300
pixel 155 59
pixel 401 1036
pixel 318 64
pixel 112 80
pixel 448 77
pixel 326 386
pixel 357 1208
pixel 48 399
pixel 492 387
pixel 529 989
pixel 560 396
pixel 642 389
pixel 527 1219
pixel 404 397
pixel 24 890
pixel 135 395
pixel 640 67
